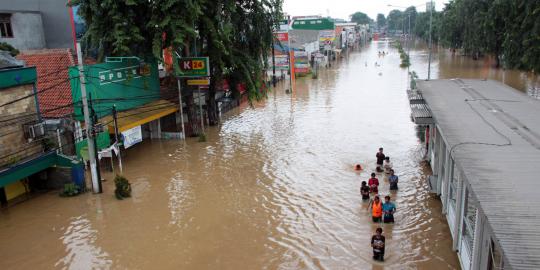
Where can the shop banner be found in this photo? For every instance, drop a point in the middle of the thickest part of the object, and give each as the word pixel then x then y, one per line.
pixel 132 136
pixel 282 36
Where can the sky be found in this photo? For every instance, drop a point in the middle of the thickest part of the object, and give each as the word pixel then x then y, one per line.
pixel 344 8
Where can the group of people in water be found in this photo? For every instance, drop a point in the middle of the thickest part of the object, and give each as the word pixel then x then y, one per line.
pixel 380 211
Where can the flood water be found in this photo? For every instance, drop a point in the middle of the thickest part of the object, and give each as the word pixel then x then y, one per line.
pixel 273 188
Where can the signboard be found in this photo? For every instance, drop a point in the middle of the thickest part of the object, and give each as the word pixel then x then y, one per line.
pixel 314 24
pixel 123 82
pixel 198 82
pixel 301 62
pixel 132 136
pixel 282 62
pixel 192 67
pixel 327 37
pixel 282 36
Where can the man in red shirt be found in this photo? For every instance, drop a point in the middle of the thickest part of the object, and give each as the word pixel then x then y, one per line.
pixel 373 184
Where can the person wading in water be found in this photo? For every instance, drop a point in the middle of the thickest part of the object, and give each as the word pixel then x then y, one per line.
pixel 376 209
pixel 378 242
pixel 364 190
pixel 373 184
pixel 380 159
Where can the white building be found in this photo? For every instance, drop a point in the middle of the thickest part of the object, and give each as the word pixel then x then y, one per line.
pixel 484 149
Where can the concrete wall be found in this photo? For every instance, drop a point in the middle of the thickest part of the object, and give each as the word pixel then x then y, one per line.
pixel 55 16
pixel 12 138
pixel 27 31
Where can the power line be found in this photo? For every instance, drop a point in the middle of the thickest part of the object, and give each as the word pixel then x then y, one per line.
pixel 35 93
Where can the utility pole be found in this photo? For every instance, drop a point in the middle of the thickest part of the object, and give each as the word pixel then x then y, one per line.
pixel 409 53
pixel 96 181
pixel 115 119
pixel 94 136
pixel 430 42
pixel 181 107
pixel 291 53
pixel 273 63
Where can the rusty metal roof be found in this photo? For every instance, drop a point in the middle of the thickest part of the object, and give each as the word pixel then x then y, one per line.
pixel 493 133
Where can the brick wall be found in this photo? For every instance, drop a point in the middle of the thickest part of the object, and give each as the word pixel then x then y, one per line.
pixel 13 145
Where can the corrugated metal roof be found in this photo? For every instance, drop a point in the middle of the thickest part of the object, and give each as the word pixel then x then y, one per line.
pixel 415 97
pixel 421 114
pixel 493 133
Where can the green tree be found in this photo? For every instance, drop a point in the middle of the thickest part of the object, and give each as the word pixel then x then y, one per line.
pixel 395 20
pixel 361 18
pixel 410 11
pixel 137 27
pixel 381 20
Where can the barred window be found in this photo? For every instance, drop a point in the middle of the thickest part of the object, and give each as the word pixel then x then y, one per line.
pixel 5 26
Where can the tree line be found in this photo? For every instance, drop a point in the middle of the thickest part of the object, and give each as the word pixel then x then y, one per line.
pixel 508 30
pixel 236 35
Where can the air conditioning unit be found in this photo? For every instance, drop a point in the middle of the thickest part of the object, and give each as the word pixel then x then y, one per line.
pixel 34 131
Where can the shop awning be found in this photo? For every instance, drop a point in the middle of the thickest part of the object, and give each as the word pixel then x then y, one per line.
pixel 141 115
pixel 33 165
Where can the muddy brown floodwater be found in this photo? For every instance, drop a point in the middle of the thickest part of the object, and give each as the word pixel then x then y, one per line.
pixel 273 188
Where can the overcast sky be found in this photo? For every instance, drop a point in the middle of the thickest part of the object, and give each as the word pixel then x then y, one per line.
pixel 343 8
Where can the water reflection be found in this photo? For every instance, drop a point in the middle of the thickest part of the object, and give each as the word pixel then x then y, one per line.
pixel 82 253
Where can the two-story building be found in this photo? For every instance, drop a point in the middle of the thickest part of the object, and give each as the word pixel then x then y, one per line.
pixel 37 24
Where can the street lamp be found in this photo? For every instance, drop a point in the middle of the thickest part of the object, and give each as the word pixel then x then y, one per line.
pixel 430 43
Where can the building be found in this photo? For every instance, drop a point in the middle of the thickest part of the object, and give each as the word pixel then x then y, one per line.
pixel 52 69
pixel 36 24
pixel 132 88
pixel 484 149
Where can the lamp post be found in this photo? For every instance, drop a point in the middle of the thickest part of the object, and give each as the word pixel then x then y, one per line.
pixel 430 42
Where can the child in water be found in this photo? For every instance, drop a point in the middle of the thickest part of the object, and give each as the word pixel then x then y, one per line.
pixel 378 243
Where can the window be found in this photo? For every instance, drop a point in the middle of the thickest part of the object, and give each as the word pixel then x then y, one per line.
pixel 495 259
pixel 5 26
pixel 452 194
pixel 469 220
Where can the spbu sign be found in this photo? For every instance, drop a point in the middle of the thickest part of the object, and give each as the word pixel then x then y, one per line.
pixel 192 67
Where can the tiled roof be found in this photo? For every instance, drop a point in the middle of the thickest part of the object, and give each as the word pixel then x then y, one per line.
pixel 52 70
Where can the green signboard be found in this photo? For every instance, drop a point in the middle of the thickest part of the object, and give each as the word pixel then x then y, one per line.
pixel 192 67
pixel 17 76
pixel 313 24
pixel 126 83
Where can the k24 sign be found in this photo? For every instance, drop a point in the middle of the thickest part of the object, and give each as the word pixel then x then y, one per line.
pixel 192 67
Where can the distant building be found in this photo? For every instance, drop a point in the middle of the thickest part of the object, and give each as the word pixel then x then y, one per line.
pixel 36 24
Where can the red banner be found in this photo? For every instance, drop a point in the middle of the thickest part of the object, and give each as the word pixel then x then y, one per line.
pixel 282 36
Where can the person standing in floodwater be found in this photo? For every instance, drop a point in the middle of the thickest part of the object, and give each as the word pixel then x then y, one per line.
pixel 380 159
pixel 376 209
pixel 387 165
pixel 373 184
pixel 389 208
pixel 393 179
pixel 378 243
pixel 364 190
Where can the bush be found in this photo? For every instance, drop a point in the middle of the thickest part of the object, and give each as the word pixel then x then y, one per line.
pixel 70 190
pixel 6 47
pixel 123 187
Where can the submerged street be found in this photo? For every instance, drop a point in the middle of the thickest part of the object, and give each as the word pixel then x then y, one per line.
pixel 273 188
